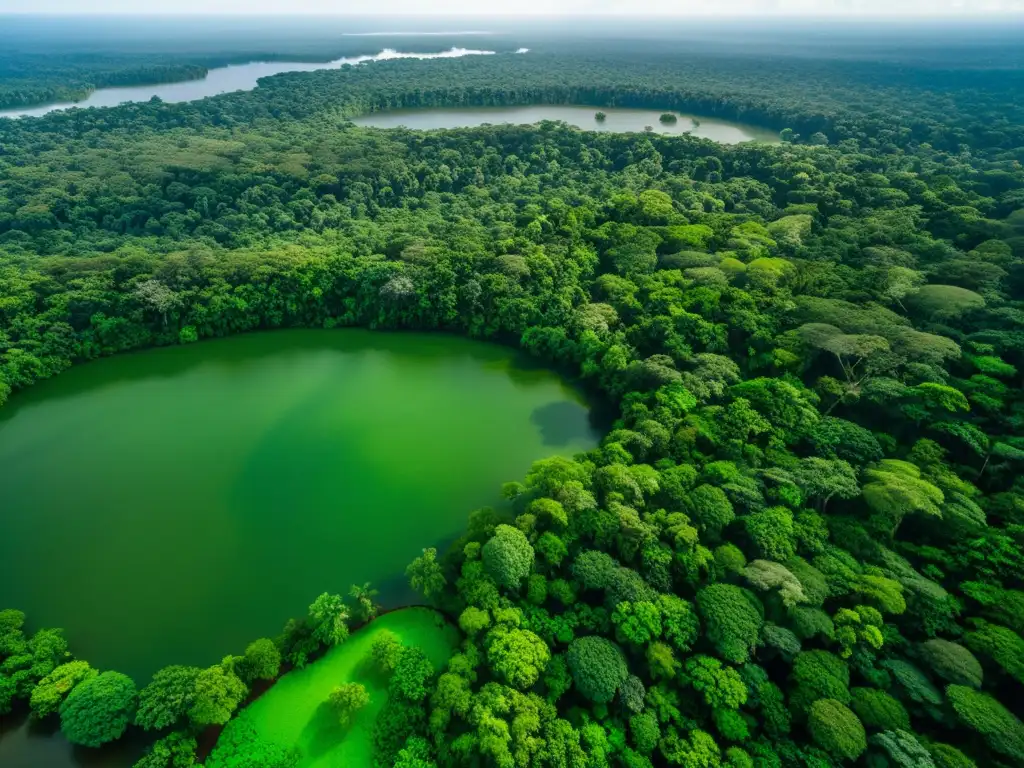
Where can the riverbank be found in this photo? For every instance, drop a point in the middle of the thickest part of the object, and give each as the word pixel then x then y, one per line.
pixel 241 76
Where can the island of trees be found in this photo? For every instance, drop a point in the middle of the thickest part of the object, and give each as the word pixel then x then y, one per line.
pixel 802 541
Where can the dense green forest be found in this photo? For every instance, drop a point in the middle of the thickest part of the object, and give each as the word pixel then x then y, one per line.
pixel 802 541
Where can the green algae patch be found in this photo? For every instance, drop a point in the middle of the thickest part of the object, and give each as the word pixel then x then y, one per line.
pixel 294 713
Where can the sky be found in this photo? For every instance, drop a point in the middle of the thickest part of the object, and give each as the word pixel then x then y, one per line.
pixel 809 8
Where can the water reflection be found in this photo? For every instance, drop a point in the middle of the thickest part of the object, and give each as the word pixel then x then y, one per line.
pixel 25 743
pixel 616 120
pixel 562 423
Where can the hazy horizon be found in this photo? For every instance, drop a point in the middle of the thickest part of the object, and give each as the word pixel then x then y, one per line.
pixel 681 9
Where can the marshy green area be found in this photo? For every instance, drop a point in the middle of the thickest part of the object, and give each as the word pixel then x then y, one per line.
pixel 295 712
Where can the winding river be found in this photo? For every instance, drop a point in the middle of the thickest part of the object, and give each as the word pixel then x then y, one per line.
pixel 172 505
pixel 239 77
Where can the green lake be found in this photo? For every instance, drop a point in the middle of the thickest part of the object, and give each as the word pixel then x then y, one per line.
pixel 172 505
pixel 619 119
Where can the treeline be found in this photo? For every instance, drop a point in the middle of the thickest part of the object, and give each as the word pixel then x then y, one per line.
pixel 880 107
pixel 27 81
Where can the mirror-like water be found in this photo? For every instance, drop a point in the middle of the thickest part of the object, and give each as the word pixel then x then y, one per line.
pixel 616 119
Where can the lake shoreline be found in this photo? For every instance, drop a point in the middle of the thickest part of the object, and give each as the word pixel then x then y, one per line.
pixel 616 119
pixel 576 109
pixel 125 751
pixel 278 441
pixel 538 412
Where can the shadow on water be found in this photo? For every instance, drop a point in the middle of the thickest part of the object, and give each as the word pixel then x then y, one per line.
pixel 527 370
pixel 26 743
pixel 227 353
pixel 562 423
pixel 133 366
pixel 247 349
pixel 394 591
pixel 123 752
pixel 241 350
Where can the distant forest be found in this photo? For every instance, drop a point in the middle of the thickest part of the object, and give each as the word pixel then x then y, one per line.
pixel 45 60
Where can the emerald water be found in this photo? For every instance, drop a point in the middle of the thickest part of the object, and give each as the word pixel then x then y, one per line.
pixel 172 505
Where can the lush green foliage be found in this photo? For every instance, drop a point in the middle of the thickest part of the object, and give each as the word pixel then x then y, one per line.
pixel 386 650
pixel 878 710
pixel 836 729
pixel 51 691
pixel 168 698
pixel 328 712
pixel 805 526
pixel 262 660
pixel 99 709
pixel 216 695
pixel 1003 732
pixel 508 556
pixel 598 668
pixel 347 700
pixel 330 619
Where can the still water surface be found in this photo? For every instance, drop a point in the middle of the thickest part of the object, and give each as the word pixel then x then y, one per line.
pixel 617 119
pixel 172 505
